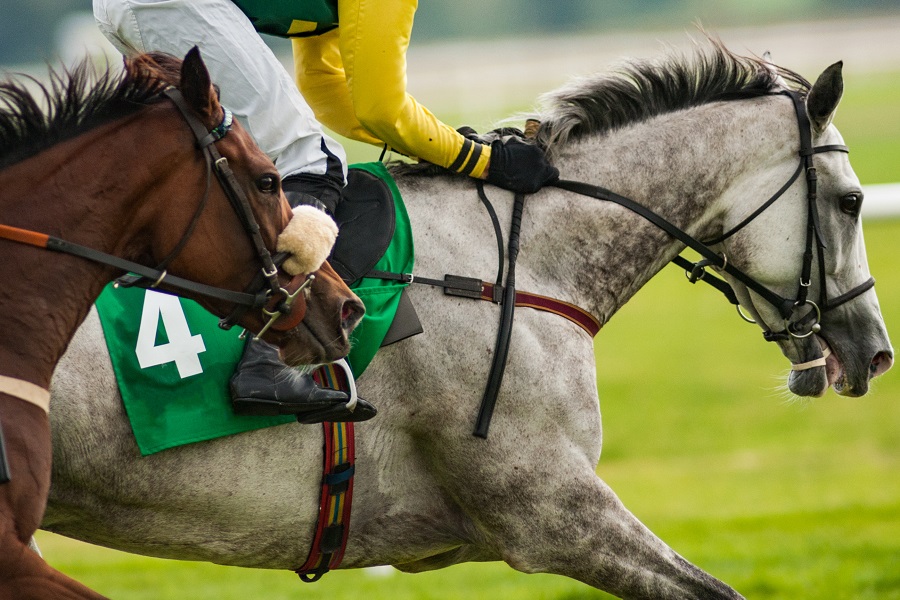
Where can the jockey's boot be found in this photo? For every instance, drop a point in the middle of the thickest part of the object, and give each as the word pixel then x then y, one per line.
pixel 263 385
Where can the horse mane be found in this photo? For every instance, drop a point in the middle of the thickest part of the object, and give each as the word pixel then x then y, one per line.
pixel 75 101
pixel 642 89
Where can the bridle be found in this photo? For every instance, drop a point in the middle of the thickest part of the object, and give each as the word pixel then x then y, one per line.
pixel 266 293
pixel 786 307
pixel 802 327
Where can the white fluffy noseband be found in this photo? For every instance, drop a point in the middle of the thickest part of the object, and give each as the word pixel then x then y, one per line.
pixel 309 237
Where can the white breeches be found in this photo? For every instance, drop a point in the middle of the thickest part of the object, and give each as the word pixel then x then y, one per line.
pixel 253 84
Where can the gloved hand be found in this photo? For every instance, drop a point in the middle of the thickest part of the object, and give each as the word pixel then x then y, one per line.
pixel 519 166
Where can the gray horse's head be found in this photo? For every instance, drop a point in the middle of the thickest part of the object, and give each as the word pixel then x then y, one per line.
pixel 727 136
pixel 836 336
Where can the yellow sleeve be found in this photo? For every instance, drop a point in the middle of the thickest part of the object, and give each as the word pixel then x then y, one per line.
pixel 320 76
pixel 374 37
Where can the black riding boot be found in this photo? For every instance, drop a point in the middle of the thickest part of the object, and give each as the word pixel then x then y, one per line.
pixel 321 191
pixel 263 385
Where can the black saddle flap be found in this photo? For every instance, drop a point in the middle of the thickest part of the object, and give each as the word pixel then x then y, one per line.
pixel 365 218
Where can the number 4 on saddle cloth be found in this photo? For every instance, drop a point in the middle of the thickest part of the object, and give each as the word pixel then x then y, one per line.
pixel 173 362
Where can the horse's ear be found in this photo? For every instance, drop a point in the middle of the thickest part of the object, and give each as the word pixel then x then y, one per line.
pixel 196 85
pixel 825 95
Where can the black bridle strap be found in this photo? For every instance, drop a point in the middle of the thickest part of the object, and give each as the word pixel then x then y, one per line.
pixel 498 234
pixel 783 305
pixel 238 199
pixel 759 210
pixel 696 270
pixel 48 242
pixel 859 290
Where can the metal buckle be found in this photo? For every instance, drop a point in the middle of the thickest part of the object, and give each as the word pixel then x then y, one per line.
pixel 284 307
pixel 816 327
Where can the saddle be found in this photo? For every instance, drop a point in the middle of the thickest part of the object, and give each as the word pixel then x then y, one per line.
pixel 366 222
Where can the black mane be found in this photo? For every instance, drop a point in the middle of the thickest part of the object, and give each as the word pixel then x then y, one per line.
pixel 73 102
pixel 644 89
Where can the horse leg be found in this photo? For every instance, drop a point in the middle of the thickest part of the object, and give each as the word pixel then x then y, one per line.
pixel 23 573
pixel 563 519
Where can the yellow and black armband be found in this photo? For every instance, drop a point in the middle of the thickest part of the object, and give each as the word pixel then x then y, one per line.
pixel 469 158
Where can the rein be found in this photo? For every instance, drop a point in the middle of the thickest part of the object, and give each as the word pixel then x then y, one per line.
pixel 718 261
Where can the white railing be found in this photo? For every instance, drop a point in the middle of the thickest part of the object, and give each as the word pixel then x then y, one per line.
pixel 881 201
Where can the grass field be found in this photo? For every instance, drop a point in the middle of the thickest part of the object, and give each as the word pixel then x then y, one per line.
pixel 782 499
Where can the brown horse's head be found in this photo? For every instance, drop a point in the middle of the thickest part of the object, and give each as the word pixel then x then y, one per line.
pixel 219 250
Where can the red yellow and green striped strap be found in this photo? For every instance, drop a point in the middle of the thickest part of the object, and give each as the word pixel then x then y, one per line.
pixel 333 524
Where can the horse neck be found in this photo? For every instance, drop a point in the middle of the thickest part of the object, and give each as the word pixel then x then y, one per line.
pixel 80 191
pixel 679 165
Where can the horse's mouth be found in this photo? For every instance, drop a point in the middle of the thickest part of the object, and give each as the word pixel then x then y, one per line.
pixel 310 349
pixel 834 371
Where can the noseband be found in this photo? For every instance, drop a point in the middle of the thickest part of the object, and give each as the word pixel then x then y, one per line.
pixel 800 328
pixel 148 277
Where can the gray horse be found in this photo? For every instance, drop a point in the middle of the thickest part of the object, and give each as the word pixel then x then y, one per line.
pixel 703 141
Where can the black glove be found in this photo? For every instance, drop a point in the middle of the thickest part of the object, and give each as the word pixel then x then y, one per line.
pixel 519 166
pixel 490 136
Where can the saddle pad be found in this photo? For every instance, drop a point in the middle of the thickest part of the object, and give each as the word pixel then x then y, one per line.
pixel 382 297
pixel 173 362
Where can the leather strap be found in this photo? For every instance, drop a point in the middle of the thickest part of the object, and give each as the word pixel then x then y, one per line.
pixel 333 524
pixel 819 362
pixel 25 390
pixel 573 313
pixel 48 242
pixel 504 334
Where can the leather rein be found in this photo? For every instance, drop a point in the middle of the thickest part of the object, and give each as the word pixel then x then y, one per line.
pixel 150 277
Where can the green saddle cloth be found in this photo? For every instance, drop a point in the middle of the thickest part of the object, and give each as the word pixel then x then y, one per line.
pixel 173 362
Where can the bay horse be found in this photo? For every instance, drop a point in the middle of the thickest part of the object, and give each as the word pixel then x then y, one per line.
pixel 115 174
pixel 704 143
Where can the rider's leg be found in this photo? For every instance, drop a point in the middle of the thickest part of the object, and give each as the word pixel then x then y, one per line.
pixel 261 93
pixel 254 84
pixel 263 385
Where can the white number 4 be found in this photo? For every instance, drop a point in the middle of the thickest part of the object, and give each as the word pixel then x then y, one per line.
pixel 182 348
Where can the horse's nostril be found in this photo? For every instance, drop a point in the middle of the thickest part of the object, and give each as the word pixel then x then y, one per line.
pixel 882 362
pixel 351 312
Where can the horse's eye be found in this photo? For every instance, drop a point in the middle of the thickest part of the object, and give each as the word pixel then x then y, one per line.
pixel 267 184
pixel 851 203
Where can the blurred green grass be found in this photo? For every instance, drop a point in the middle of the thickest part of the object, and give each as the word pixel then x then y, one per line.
pixel 781 498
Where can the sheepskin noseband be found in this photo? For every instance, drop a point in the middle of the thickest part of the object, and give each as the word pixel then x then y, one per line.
pixel 308 237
